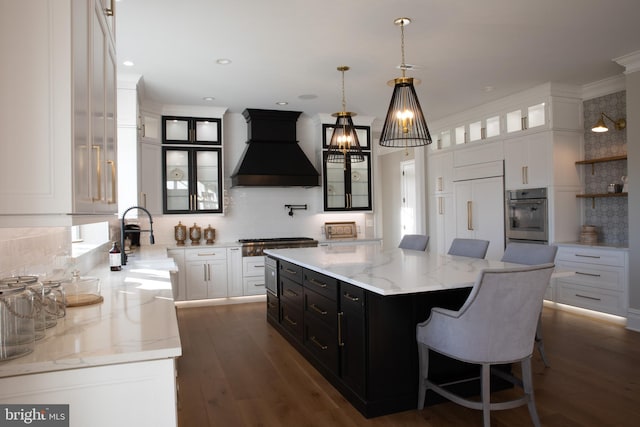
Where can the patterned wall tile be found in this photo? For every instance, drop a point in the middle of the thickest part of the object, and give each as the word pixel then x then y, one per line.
pixel 610 215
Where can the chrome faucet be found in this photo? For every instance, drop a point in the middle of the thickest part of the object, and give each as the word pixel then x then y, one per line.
pixel 152 240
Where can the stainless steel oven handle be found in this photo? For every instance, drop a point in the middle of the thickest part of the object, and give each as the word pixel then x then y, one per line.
pixel 527 201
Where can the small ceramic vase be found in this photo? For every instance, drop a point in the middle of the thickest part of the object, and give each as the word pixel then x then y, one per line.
pixel 195 234
pixel 180 233
pixel 209 235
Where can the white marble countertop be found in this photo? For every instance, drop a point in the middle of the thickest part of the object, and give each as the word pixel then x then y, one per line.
pixel 135 322
pixel 391 272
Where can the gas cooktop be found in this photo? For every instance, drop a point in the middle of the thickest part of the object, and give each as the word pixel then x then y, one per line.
pixel 255 247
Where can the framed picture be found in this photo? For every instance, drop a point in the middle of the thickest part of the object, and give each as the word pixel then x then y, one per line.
pixel 362 131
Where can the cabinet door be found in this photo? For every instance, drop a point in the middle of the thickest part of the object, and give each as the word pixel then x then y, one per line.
pixel 479 214
pixel 191 130
pixel 445 222
pixel 441 173
pixel 351 337
pixel 196 278
pixel 217 279
pixel 347 186
pixel 192 180
pixel 234 272
pixel 527 161
pixel 150 177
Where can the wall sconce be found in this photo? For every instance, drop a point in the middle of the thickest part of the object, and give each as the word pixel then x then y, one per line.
pixel 600 126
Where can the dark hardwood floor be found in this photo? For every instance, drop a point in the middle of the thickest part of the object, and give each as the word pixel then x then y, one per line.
pixel 236 370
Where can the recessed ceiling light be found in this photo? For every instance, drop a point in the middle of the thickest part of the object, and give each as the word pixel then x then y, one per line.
pixel 128 63
pixel 208 98
pixel 488 88
pixel 223 61
pixel 282 103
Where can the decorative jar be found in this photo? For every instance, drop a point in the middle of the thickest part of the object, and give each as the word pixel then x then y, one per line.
pixel 210 235
pixel 180 233
pixel 195 234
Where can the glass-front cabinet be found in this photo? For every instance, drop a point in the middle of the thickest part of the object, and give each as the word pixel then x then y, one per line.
pixel 347 185
pixel 191 130
pixel 191 165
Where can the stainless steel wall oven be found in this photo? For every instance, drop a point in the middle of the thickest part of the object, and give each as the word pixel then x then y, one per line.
pixel 526 216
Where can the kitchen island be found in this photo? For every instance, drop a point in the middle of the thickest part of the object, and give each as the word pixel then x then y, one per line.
pixel 112 362
pixel 352 312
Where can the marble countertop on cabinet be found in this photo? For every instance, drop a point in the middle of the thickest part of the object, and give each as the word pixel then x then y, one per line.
pixel 135 322
pixel 390 272
pixel 596 246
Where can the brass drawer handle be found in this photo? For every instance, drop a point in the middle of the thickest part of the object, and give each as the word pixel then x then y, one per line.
pixel 351 297
pixel 318 309
pixel 291 322
pixel 340 316
pixel 588 256
pixel 318 343
pixel 271 305
pixel 287 270
pixel 315 282
pixel 290 293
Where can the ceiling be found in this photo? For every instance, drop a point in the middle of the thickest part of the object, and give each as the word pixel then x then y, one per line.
pixel 465 52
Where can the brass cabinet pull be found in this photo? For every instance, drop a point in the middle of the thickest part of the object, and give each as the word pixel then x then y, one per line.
pixel 439 186
pixel 440 206
pixel 318 309
pixel 288 270
pixel 351 297
pixel 209 271
pixel 290 293
pixel 315 282
pixel 587 256
pixel 97 148
pixel 270 304
pixel 114 185
pixel 143 198
pixel 258 285
pixel 109 11
pixel 524 123
pixel 206 253
pixel 204 271
pixel 290 321
pixel 340 317
pixel 526 175
pixel 318 343
pixel 469 215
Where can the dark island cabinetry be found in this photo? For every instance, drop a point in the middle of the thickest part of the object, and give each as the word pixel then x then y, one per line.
pixel 362 342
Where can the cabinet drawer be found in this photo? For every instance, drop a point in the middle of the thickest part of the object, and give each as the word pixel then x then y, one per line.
pixel 320 308
pixel 593 299
pixel 205 253
pixel 253 285
pixel 598 276
pixel 291 292
pixel 290 271
pixel 591 256
pixel 322 341
pixel 253 266
pixel 351 297
pixel 273 306
pixel 291 319
pixel 324 285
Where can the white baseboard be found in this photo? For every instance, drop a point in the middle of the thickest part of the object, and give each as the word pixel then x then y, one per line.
pixel 633 320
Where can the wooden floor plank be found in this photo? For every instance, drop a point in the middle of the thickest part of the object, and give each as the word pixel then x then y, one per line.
pixel 236 370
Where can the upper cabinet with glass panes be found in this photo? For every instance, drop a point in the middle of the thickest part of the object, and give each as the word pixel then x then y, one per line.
pixel 546 107
pixel 191 130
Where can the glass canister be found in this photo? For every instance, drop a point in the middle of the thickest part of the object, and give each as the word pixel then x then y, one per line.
pixel 80 291
pixel 56 296
pixel 17 326
pixel 36 289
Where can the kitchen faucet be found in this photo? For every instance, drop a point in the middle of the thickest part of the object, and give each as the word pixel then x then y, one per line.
pixel 152 240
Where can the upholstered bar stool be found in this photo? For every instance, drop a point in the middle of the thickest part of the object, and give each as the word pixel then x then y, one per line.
pixel 532 254
pixel 474 248
pixel 416 242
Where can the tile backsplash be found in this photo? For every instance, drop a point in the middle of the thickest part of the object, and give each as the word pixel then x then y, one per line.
pixel 610 215
pixel 25 251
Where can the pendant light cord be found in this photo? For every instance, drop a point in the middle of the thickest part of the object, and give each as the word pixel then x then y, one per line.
pixel 402 64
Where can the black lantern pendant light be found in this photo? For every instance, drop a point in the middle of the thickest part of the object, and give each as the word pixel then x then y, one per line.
pixel 344 145
pixel 404 125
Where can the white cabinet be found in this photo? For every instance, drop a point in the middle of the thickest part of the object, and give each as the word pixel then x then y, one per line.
pixel 253 275
pixel 150 177
pixel 479 212
pixel 441 173
pixel 179 288
pixel 234 272
pixel 527 161
pixel 69 136
pixel 445 222
pixel 440 168
pixel 600 281
pixel 206 273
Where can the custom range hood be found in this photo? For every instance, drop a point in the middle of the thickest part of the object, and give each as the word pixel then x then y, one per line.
pixel 272 157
